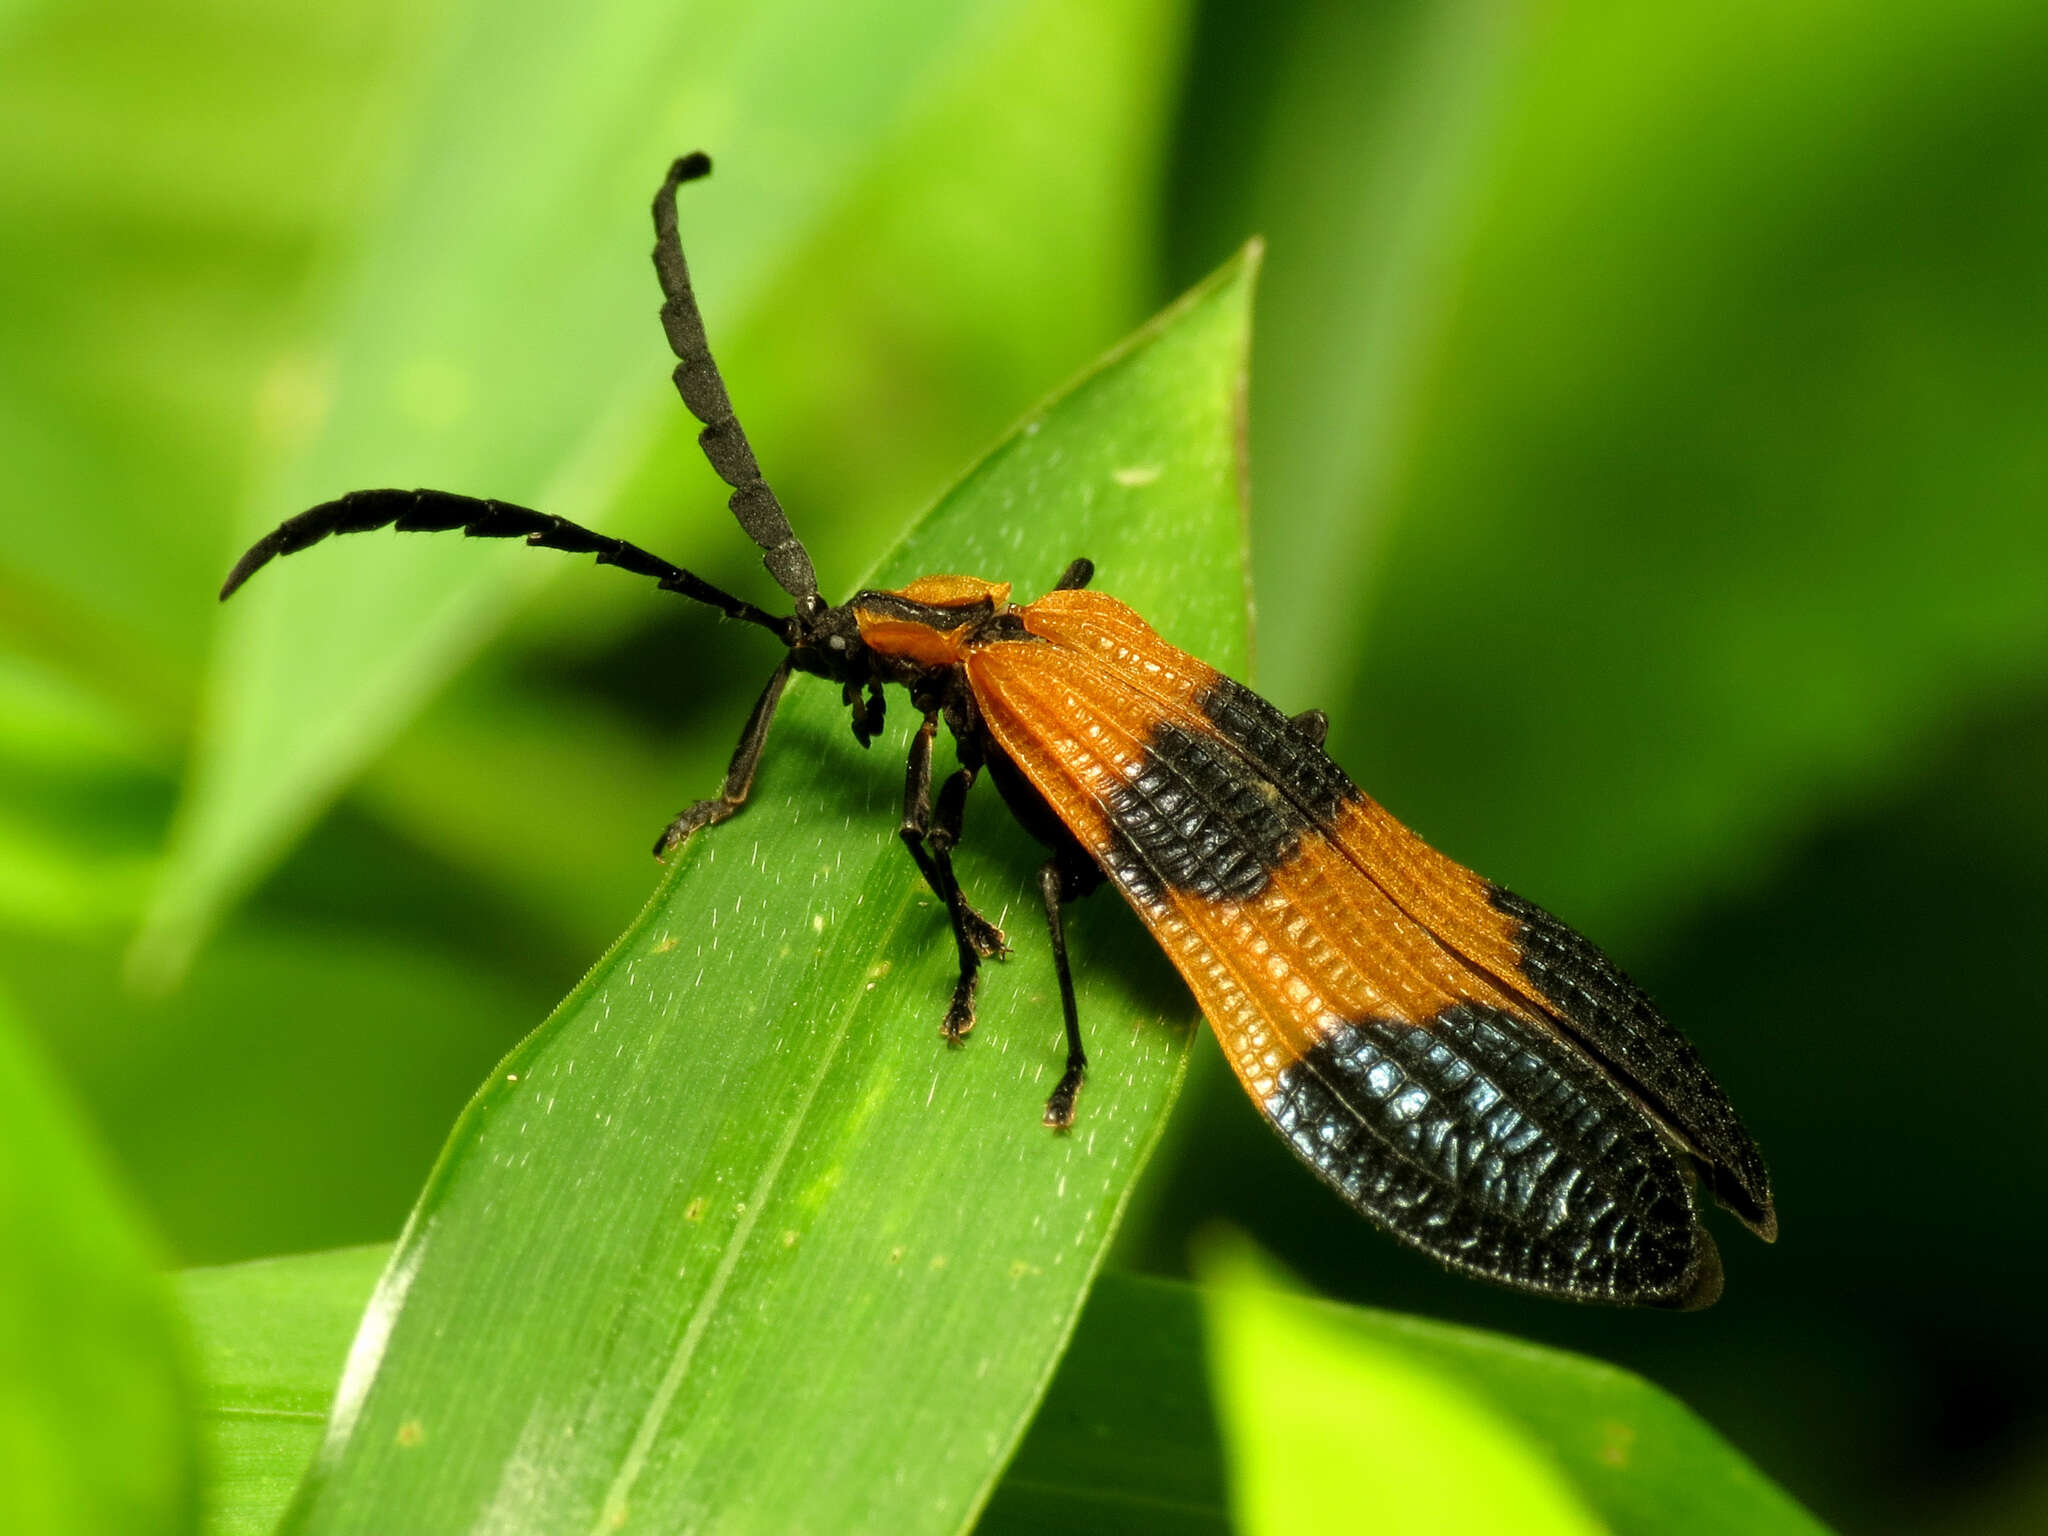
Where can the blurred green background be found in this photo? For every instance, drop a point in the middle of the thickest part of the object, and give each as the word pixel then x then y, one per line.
pixel 1650 440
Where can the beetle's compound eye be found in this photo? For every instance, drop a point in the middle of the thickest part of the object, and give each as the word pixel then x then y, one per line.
pixel 811 608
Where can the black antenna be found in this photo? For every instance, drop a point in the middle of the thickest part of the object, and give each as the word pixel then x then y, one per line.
pixel 723 440
pixel 440 511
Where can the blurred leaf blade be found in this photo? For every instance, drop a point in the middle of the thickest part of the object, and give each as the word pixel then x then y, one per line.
pixel 169 180
pixel 1690 534
pixel 95 1433
pixel 738 1185
pixel 1448 1429
pixel 1368 190
pixel 939 323
pixel 497 338
pixel 271 1337
pixel 1317 1419
pixel 229 1083
pixel 1125 1441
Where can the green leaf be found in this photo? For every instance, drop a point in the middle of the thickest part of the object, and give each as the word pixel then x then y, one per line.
pixel 1366 186
pixel 1124 1443
pixel 495 336
pixel 1328 1410
pixel 94 1431
pixel 894 349
pixel 735 1237
pixel 271 1338
pixel 77 803
pixel 155 252
pixel 1714 495
pixel 312 1072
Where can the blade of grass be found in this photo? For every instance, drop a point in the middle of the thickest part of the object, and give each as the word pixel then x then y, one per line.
pixel 496 337
pixel 271 1337
pixel 1730 442
pixel 94 1422
pixel 1315 1414
pixel 735 1238
pixel 1450 1429
pixel 168 177
pixel 1368 189
pixel 230 1083
pixel 1125 1442
pixel 916 303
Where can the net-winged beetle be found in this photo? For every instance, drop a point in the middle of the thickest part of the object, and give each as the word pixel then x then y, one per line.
pixel 1459 1065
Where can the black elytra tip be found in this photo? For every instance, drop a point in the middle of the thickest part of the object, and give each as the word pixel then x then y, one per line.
pixel 1490 1144
pixel 1607 1016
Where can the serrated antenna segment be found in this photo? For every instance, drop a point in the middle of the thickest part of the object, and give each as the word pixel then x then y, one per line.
pixel 424 511
pixel 698 381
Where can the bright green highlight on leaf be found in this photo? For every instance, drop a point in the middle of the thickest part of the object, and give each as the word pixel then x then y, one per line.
pixel 1340 1418
pixel 1333 1430
pixel 736 1238
pixel 95 1427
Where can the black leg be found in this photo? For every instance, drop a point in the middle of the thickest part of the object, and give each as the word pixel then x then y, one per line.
pixel 1061 880
pixel 917 804
pixel 932 836
pixel 868 718
pixel 984 935
pixel 739 773
pixel 931 845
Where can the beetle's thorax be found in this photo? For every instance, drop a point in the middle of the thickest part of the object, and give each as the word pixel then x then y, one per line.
pixel 930 623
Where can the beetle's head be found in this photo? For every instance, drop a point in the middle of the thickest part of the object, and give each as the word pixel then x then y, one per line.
pixel 825 641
